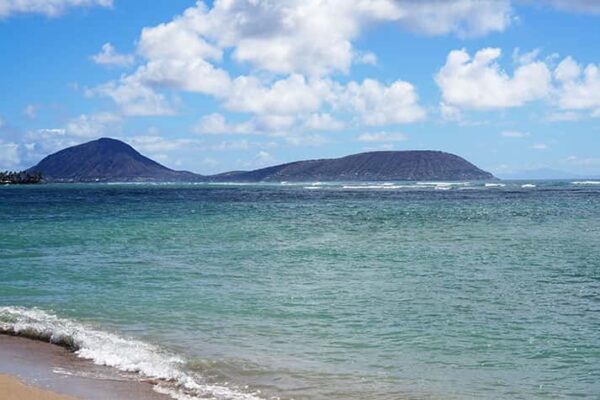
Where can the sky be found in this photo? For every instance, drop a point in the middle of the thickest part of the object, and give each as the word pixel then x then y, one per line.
pixel 212 86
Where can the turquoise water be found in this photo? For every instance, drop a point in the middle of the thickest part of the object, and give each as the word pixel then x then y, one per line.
pixel 316 291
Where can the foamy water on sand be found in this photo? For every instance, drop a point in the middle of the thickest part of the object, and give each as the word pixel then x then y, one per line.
pixel 313 290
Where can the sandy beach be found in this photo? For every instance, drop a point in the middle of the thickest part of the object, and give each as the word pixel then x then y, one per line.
pixel 12 388
pixel 33 370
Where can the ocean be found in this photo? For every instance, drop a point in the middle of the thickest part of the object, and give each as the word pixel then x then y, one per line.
pixel 410 290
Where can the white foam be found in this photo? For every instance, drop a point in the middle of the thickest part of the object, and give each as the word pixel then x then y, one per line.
pixel 492 185
pixel 528 185
pixel 104 348
pixel 383 186
pixel 586 183
pixel 443 183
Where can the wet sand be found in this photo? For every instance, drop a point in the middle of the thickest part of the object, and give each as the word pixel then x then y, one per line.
pixel 11 388
pixel 47 372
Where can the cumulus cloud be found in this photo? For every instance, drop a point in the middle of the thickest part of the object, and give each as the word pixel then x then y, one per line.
pixel 50 8
pixel 323 122
pixel 382 105
pixel 93 125
pixel 134 97
pixel 109 56
pixel 293 94
pixel 462 17
pixel 291 48
pixel 314 37
pixel 578 87
pixel 9 155
pixel 479 82
pixel 216 124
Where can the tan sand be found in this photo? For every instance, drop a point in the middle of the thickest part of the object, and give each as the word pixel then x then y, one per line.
pixel 11 388
pixel 60 375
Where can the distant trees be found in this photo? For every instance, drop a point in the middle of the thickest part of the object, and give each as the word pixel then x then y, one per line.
pixel 20 177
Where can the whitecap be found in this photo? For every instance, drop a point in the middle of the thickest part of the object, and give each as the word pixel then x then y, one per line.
pixel 586 183
pixel 125 354
pixel 386 187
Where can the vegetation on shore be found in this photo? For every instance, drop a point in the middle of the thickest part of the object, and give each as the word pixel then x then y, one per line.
pixel 20 177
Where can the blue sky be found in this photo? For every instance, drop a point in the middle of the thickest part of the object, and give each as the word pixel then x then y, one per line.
pixel 210 87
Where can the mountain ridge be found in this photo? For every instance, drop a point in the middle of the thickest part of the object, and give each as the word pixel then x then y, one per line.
pixel 404 165
pixel 106 159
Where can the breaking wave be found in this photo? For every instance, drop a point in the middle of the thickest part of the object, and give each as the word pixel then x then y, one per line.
pixel 150 362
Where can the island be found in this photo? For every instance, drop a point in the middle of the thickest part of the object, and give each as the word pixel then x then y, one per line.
pixel 106 160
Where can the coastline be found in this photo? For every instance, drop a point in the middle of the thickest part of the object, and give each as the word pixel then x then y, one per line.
pixel 31 369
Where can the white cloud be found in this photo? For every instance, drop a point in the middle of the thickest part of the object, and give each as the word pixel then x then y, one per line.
pixel 153 144
pixel 367 58
pixel 41 142
pixel 308 37
pixel 525 58
pixel 134 98
pixel 480 83
pixel 30 111
pixel 274 125
pixel 216 124
pixel 260 160
pixel 585 6
pixel 300 41
pixel 323 122
pixel 462 17
pixel 314 37
pixel 50 8
pixel 382 137
pixel 109 56
pixel 382 105
pixel 578 88
pixel 450 113
pixel 514 134
pixel 9 155
pixel 94 125
pixel 286 96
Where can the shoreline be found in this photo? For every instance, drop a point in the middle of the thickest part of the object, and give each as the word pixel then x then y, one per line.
pixel 32 369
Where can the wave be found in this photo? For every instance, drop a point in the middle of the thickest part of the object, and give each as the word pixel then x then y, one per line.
pixel 586 183
pixel 382 186
pixel 443 183
pixel 150 362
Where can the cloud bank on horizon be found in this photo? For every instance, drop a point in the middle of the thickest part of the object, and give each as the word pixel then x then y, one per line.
pixel 240 83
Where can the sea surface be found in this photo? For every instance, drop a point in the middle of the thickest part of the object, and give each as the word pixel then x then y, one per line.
pixel 410 290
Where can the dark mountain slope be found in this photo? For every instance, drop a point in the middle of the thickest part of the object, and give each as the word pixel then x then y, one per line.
pixel 372 166
pixel 105 160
